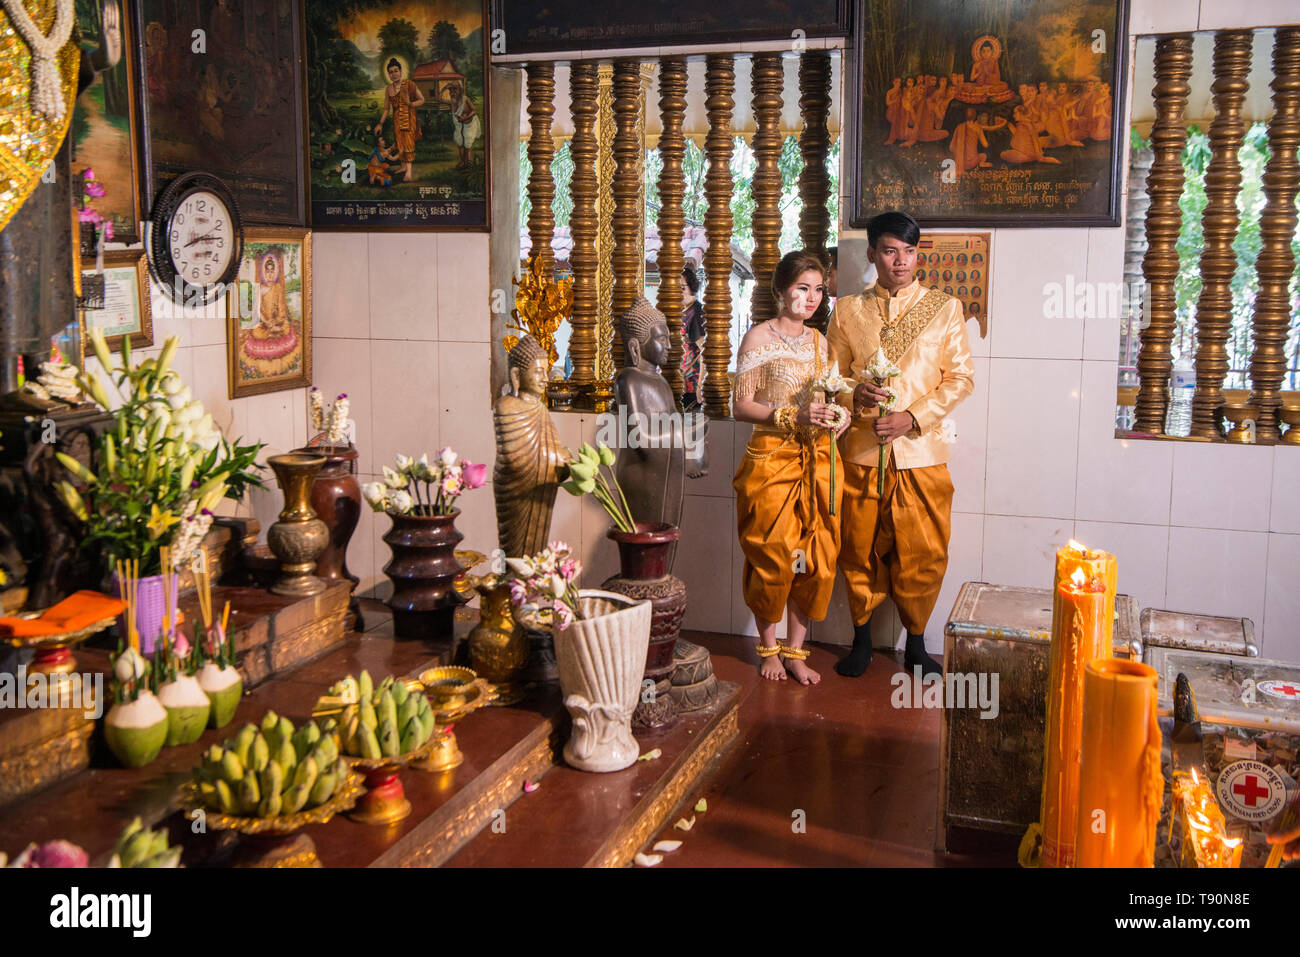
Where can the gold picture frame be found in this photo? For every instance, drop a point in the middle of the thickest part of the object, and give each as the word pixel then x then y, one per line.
pixel 126 293
pixel 268 313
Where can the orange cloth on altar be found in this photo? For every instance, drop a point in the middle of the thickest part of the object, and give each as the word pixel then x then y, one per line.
pixel 406 125
pixel 79 610
pixel 783 498
pixel 896 545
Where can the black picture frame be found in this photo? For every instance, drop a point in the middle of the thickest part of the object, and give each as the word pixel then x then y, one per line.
pixel 581 25
pixel 1083 189
pixel 233 109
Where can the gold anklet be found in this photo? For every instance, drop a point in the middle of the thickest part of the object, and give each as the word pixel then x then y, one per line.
pixel 767 651
pixel 785 651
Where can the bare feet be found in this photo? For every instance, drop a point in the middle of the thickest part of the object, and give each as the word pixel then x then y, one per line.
pixel 771 669
pixel 801 672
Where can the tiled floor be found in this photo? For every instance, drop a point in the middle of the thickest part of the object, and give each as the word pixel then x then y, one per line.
pixel 824 776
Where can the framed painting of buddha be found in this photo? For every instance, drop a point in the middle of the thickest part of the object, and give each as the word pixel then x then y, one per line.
pixel 221 92
pixel 268 332
pixel 986 113
pixel 397 114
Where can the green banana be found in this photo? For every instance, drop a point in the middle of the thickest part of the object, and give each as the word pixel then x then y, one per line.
pixel 244 741
pixel 406 710
pixel 295 798
pixel 272 779
pixel 323 789
pixel 387 709
pixel 369 743
pixel 225 798
pixel 259 754
pixel 271 805
pixel 250 795
pixel 232 769
pixel 327 751
pixel 425 718
pixel 208 792
pixel 305 738
pixel 287 757
pixel 135 849
pixel 365 686
pixel 306 773
pixel 158 844
pixel 400 693
pixel 286 730
pixel 390 740
pixel 269 722
pixel 368 717
pixel 168 858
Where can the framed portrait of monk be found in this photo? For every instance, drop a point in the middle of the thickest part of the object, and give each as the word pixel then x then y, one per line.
pixel 397 114
pixel 987 113
pixel 221 92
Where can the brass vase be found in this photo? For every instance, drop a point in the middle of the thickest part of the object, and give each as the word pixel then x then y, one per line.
pixel 298 537
pixel 498 650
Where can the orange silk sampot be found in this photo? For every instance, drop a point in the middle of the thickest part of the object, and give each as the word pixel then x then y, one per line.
pixel 1120 786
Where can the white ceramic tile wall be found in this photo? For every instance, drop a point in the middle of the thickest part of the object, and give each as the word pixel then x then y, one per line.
pixel 1221 486
pixel 463 295
pixel 1140 551
pixel 1285 504
pixel 1282 599
pixel 1105 272
pixel 340 286
pixel 1021 327
pixel 969 452
pixel 1163 16
pixel 403 285
pixel 1217 572
pixel 1022 551
pixel 1231 14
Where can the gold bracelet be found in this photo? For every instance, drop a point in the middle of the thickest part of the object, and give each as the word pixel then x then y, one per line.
pixel 785 651
pixel 783 418
pixel 767 651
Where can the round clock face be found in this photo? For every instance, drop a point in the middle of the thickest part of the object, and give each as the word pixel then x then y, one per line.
pixel 201 238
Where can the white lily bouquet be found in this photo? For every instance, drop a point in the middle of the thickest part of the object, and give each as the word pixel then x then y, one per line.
pixel 443 480
pixel 881 370
pixel 830 385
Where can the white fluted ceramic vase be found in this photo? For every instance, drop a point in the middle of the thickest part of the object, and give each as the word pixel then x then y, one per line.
pixel 601 658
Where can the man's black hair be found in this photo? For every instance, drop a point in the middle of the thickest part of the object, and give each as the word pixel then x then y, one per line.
pixel 899 225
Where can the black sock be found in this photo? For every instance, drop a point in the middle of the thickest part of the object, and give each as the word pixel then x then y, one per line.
pixel 916 655
pixel 856 661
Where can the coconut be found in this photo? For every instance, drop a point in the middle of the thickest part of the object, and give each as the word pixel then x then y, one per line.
pixel 135 731
pixel 187 709
pixel 224 688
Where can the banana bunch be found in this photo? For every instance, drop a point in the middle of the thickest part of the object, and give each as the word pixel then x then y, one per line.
pixel 140 847
pixel 383 721
pixel 272 770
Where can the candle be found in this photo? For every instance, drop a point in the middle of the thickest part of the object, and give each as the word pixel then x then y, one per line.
pixel 1093 563
pixel 1120 783
pixel 1205 832
pixel 1080 634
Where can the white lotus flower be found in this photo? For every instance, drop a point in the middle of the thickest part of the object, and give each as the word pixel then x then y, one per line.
pixel 129 666
pixel 403 463
pixel 400 502
pixel 521 567
pixel 448 457
pixel 375 492
pixel 395 480
pixel 557 586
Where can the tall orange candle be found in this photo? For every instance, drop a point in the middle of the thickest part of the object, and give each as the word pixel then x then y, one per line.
pixel 1080 634
pixel 1120 784
pixel 1094 563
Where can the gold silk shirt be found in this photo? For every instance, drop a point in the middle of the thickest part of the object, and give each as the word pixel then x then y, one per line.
pixel 937 370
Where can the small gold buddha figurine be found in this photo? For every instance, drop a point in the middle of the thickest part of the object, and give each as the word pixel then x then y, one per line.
pixel 530 457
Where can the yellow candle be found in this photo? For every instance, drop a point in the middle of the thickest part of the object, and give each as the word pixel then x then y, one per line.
pixel 1080 634
pixel 1120 785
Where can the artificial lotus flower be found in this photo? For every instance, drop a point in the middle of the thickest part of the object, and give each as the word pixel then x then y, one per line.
pixel 375 493
pixel 129 666
pixel 52 854
pixel 422 470
pixel 401 501
pixel 474 474
pixel 395 479
pixel 448 457
pixel 403 463
pixel 181 646
pixel 433 487
pixel 451 483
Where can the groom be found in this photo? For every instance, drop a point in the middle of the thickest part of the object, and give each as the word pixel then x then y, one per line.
pixel 895 544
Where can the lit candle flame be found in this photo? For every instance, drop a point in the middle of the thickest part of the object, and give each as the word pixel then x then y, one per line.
pixel 1076 546
pixel 1079 578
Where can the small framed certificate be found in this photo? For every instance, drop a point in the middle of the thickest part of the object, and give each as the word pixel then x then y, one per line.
pixel 125 310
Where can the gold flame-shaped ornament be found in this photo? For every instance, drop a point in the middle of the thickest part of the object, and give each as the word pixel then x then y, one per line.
pixel 541 304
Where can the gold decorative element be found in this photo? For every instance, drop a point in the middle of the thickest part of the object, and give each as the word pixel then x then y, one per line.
pixel 1291 418
pixel 41 764
pixel 768 81
pixel 541 305
pixel 45 645
pixel 444 752
pixel 29 140
pixel 345 797
pixel 672 220
pixel 630 837
pixel 815 144
pixel 629 231
pixel 584 87
pixel 786 652
pixel 767 651
pixel 719 84
pixel 541 148
pixel 898 337
pixel 1219 225
pixel 1241 418
pixel 386 761
pixel 605 224
pixel 783 418
pixel 1164 219
pixel 498 649
pixel 1277 224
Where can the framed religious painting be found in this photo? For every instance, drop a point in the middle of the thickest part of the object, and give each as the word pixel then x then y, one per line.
pixel 124 309
pixel 268 331
pixel 958 264
pixel 530 27
pixel 105 157
pixel 984 113
pixel 221 92
pixel 397 114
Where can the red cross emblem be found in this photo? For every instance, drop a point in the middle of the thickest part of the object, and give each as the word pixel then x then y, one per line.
pixel 1290 691
pixel 1250 791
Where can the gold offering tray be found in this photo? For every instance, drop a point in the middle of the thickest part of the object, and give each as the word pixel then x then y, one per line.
pixel 344 799
pixel 39 642
pixel 455 692
pixel 396 761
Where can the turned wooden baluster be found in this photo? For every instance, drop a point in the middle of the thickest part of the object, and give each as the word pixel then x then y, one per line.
pixel 672 221
pixel 583 89
pixel 628 152
pixel 1219 225
pixel 605 224
pixel 815 144
pixel 1277 224
pixel 768 80
pixel 1164 218
pixel 719 84
pixel 541 185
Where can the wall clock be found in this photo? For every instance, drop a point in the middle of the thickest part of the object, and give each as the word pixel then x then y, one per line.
pixel 195 238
